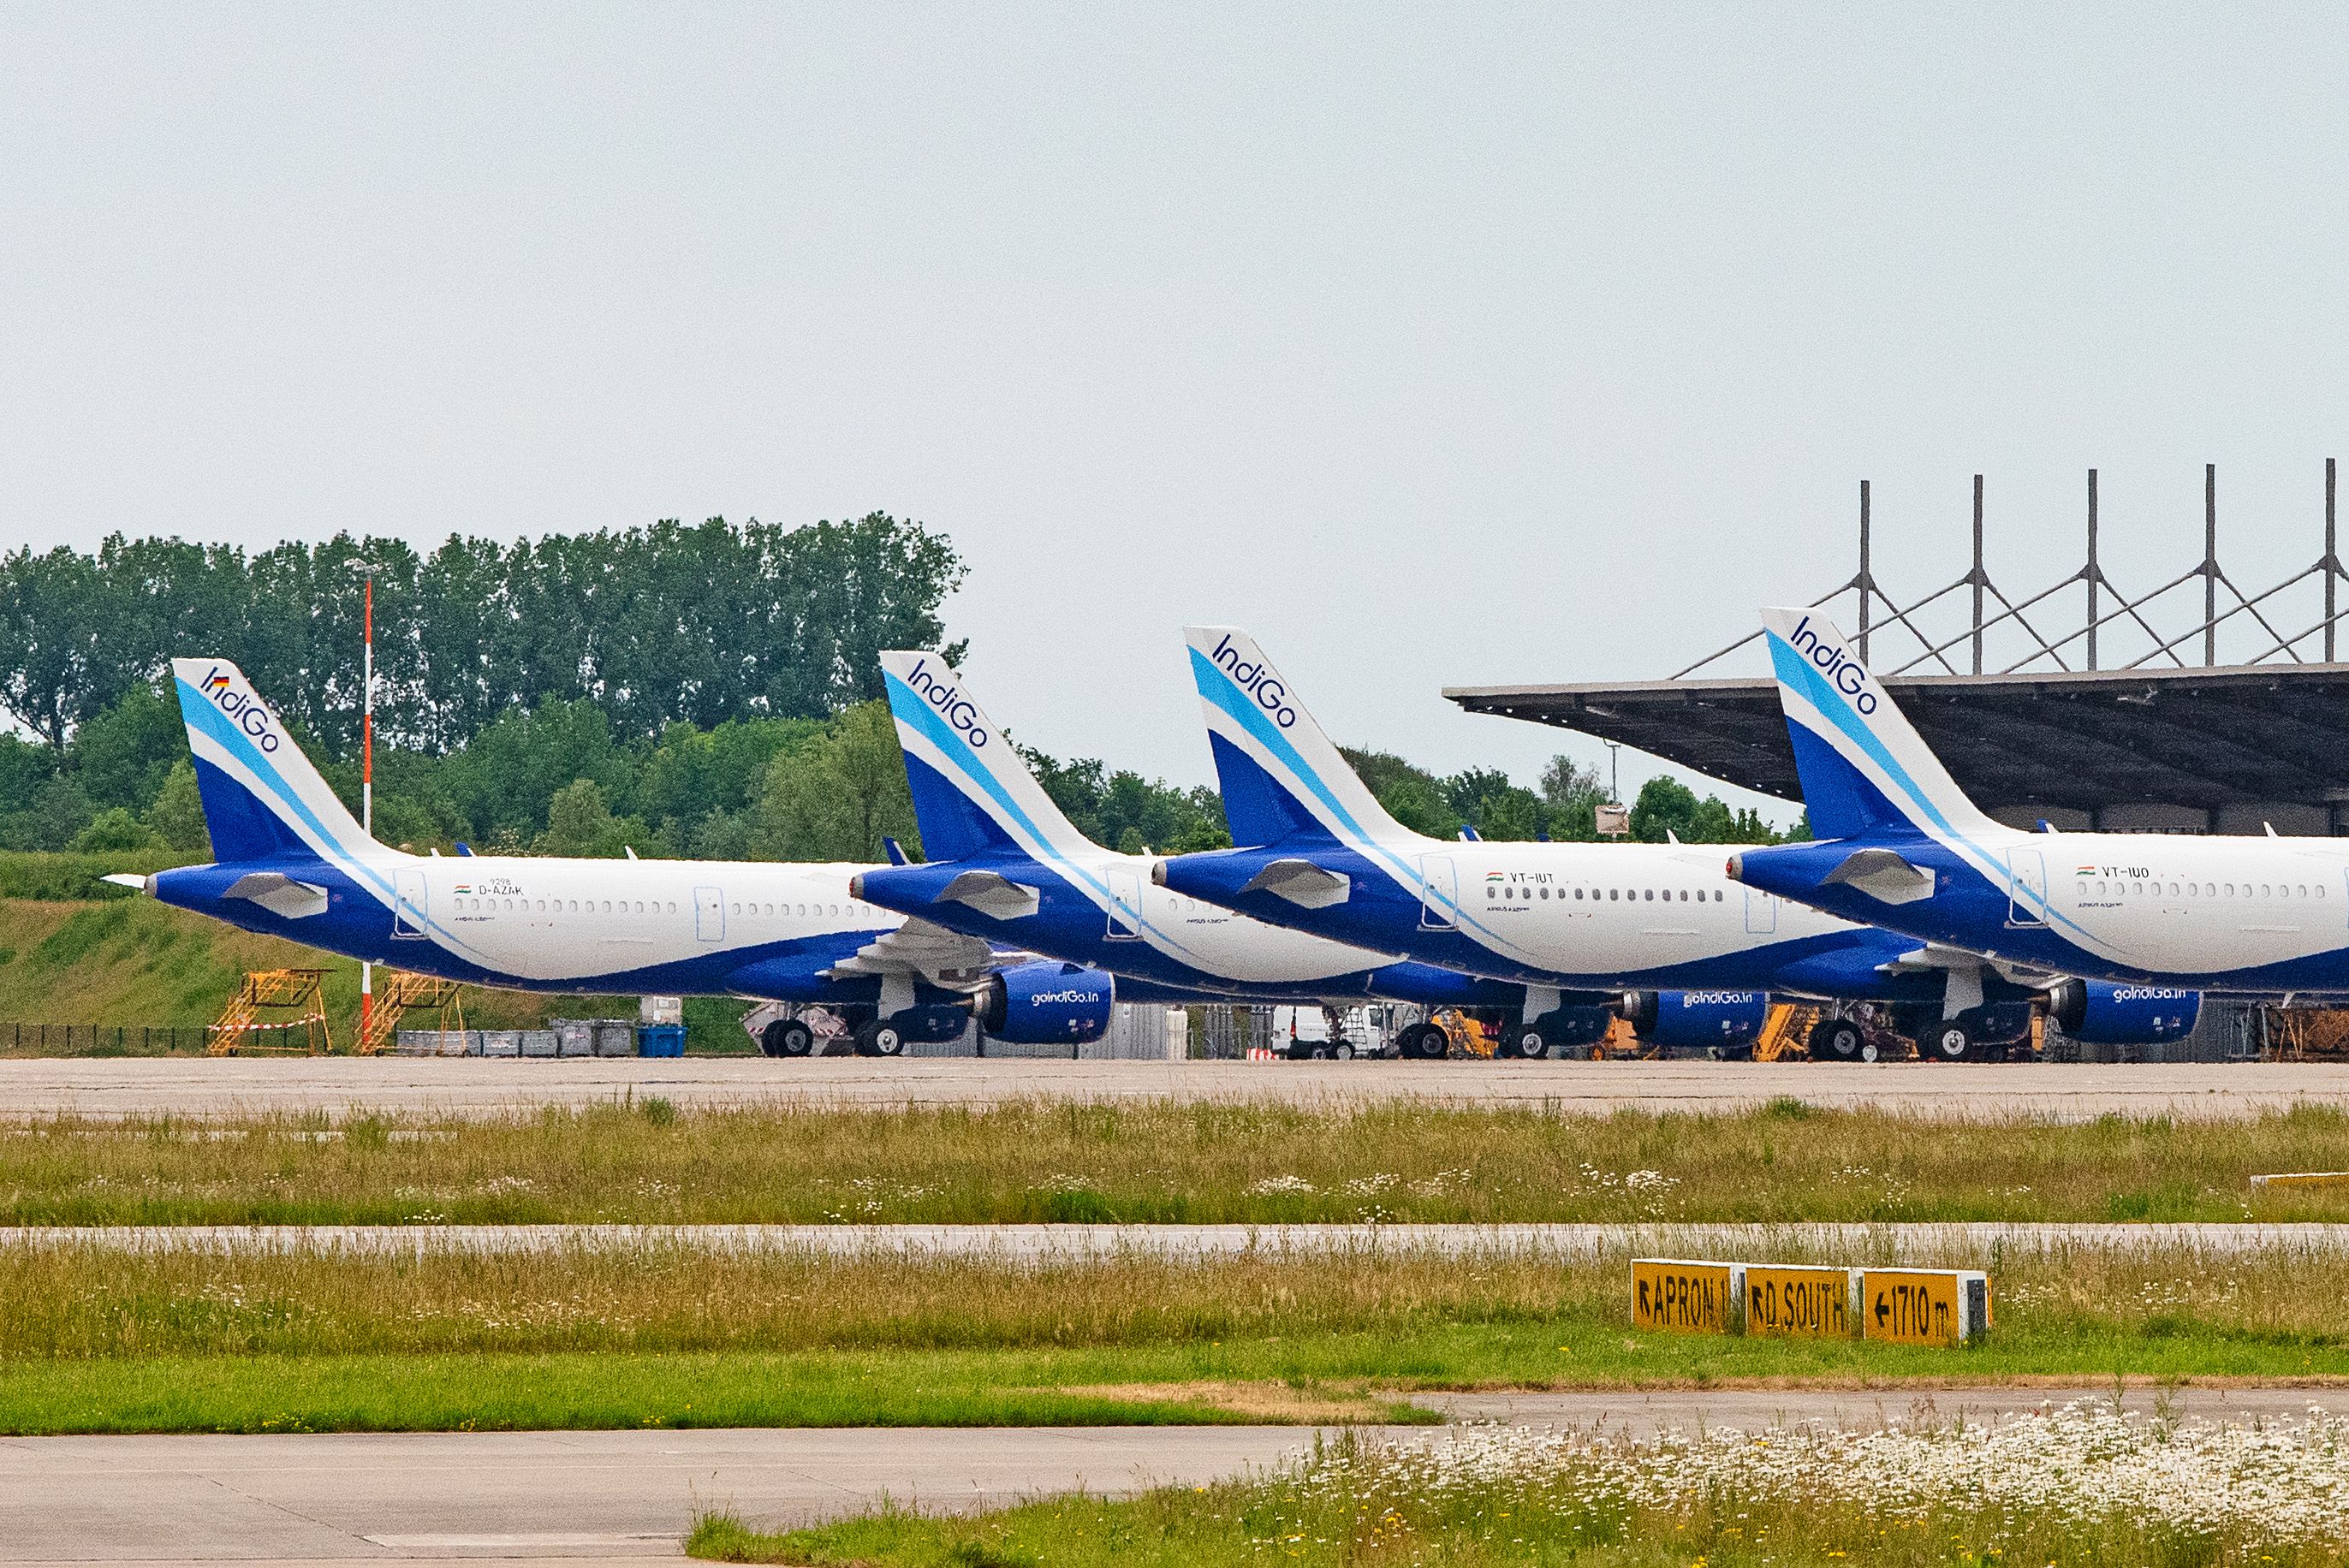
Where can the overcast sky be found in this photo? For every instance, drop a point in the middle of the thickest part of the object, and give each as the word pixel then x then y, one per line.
pixel 1437 344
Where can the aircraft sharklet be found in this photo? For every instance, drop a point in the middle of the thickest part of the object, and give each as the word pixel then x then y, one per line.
pixel 991 893
pixel 279 894
pixel 1883 875
pixel 1301 883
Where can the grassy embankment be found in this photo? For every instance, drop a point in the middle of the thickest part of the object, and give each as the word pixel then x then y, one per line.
pixel 97 1339
pixel 75 950
pixel 1157 1162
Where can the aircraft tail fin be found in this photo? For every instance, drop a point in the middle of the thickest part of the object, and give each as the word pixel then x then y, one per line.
pixel 1279 773
pixel 1864 767
pixel 973 794
pixel 263 798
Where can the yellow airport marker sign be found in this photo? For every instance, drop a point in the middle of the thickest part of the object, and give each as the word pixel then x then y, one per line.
pixel 1681 1295
pixel 1923 1307
pixel 1790 1299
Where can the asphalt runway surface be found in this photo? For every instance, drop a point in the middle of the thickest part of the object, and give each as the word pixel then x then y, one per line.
pixel 1945 1245
pixel 629 1496
pixel 497 1087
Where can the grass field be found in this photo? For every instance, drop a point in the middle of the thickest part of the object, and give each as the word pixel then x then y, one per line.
pixel 647 1161
pixel 2081 1486
pixel 95 1339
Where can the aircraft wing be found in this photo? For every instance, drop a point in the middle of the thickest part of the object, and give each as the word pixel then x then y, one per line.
pixel 943 957
pixel 1964 971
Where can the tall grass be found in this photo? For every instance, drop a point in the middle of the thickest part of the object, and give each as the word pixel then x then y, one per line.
pixel 91 1302
pixel 103 1339
pixel 1158 1162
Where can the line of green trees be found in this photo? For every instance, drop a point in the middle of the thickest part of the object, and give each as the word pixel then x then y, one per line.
pixel 1563 805
pixel 654 625
pixel 707 692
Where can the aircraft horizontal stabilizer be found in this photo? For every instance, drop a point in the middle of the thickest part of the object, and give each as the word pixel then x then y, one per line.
pixel 993 894
pixel 1883 875
pixel 1301 883
pixel 280 895
pixel 125 879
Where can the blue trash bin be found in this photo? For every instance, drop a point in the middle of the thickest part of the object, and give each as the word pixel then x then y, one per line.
pixel 660 1040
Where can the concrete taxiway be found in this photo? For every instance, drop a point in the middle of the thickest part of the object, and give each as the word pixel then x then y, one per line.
pixel 488 1087
pixel 628 1496
pixel 1950 1244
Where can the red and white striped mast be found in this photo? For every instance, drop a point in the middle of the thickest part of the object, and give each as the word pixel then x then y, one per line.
pixel 366 766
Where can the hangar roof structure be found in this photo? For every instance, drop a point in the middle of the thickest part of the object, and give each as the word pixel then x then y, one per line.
pixel 2159 743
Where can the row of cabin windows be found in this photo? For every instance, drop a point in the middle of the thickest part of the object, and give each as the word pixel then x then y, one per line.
pixel 562 906
pixel 757 908
pixel 1634 895
pixel 2201 889
pixel 639 906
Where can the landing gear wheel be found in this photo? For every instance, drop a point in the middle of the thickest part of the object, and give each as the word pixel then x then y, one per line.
pixel 1531 1043
pixel 880 1039
pixel 1422 1042
pixel 1952 1042
pixel 787 1037
pixel 1837 1040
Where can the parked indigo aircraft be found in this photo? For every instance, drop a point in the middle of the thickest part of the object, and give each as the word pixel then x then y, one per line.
pixel 292 863
pixel 1899 843
pixel 1006 864
pixel 1320 854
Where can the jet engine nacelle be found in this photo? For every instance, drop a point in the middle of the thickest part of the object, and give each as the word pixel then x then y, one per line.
pixel 2105 1013
pixel 1048 1003
pixel 1695 1020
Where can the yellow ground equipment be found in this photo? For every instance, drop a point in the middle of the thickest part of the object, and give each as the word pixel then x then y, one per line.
pixel 1786 1032
pixel 269 1003
pixel 403 993
pixel 1468 1038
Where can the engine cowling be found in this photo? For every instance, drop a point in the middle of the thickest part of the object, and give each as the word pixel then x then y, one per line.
pixel 1048 1003
pixel 1695 1020
pixel 2105 1013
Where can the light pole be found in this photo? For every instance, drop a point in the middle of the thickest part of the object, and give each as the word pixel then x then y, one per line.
pixel 367 763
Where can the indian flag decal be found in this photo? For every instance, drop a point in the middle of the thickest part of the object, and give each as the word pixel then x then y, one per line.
pixel 1493 876
pixel 2085 872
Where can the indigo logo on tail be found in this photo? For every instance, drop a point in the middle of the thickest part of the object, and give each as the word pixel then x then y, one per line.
pixel 247 713
pixel 1260 683
pixel 948 698
pixel 1836 664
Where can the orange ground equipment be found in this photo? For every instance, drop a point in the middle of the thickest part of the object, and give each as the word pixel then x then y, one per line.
pixel 403 993
pixel 271 1003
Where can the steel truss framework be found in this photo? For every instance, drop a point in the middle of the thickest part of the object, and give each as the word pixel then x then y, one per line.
pixel 1879 611
pixel 2124 717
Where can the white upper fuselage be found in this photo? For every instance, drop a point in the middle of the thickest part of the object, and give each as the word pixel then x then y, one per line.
pixel 561 919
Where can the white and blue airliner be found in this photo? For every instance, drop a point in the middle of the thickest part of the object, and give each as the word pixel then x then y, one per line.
pixel 1321 855
pixel 2161 915
pixel 1006 864
pixel 289 861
